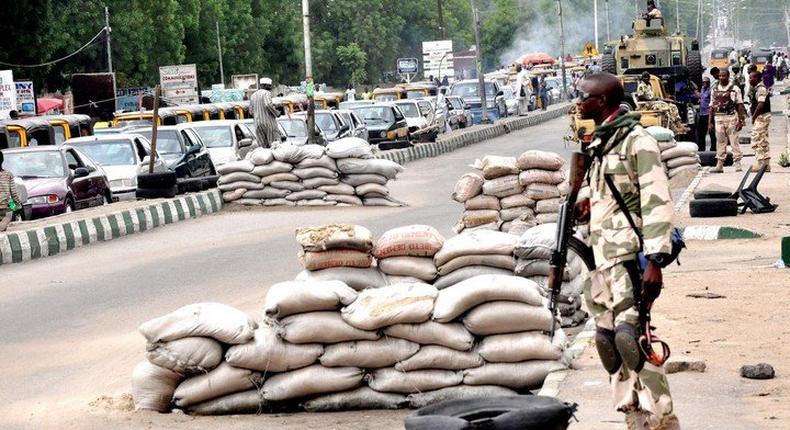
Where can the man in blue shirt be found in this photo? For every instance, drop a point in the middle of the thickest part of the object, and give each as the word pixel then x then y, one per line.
pixel 703 117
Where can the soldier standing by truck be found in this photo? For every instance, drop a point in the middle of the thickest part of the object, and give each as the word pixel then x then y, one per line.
pixel 726 106
pixel 760 107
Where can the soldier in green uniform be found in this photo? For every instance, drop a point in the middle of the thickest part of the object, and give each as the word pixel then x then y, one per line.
pixel 644 91
pixel 627 158
pixel 760 109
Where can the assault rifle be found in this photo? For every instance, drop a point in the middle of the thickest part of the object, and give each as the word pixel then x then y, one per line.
pixel 580 163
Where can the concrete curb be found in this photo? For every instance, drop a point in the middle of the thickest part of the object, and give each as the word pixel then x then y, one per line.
pixel 717 232
pixel 19 246
pixel 474 135
pixel 551 386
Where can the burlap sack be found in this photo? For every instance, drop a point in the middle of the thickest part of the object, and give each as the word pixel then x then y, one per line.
pixel 315 183
pixel 475 243
pixel 295 297
pixel 394 304
pixel 340 189
pixel 523 346
pixel 499 317
pixel 421 268
pixel 368 354
pixel 370 188
pixel 419 400
pixel 451 335
pixel 537 191
pixel 272 169
pixel 475 218
pixel 503 186
pixel 279 177
pixel 517 200
pixel 232 196
pixel 548 206
pixel 153 387
pixel 292 186
pixel 315 172
pixel 356 278
pixel 323 162
pixel 440 357
pixel 235 166
pixel 237 177
pixel 214 320
pixel 186 356
pixel 363 178
pixel 306 195
pixel 321 327
pixel 482 202
pixel 266 193
pixel 260 156
pixel 394 381
pixel 257 185
pixel 494 166
pixel 527 374
pixel 410 240
pixel 225 379
pixel 339 198
pixel 268 353
pixel 459 298
pixel 536 159
pixel 311 380
pixel 532 176
pixel 349 147
pixel 514 213
pixel 506 262
pixel 467 187
pixel 362 398
pixel 465 273
pixel 386 168
pixel 244 402
pixel 335 258
pixel 334 236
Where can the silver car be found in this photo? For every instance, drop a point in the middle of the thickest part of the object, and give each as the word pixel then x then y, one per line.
pixel 226 140
pixel 356 125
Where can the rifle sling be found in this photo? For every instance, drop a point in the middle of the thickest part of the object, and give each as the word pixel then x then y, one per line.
pixel 624 209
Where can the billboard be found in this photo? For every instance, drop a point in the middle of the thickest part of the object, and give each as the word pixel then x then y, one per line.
pixel 179 84
pixel 437 58
pixel 244 82
pixel 129 99
pixel 7 93
pixel 408 66
pixel 25 97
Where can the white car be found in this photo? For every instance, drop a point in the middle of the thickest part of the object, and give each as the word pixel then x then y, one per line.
pixel 226 140
pixel 420 128
pixel 120 155
pixel 510 100
pixel 356 125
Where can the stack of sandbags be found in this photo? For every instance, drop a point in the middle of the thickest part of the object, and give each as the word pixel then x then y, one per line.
pixel 473 253
pixel 533 252
pixel 682 157
pixel 184 359
pixel 506 192
pixel 335 246
pixel 309 175
pixel 405 254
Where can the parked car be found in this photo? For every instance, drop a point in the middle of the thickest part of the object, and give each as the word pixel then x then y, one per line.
pixel 182 150
pixel 58 179
pixel 386 125
pixel 226 140
pixel 511 102
pixel 356 125
pixel 355 103
pixel 420 129
pixel 469 91
pixel 329 124
pixel 460 110
pixel 294 129
pixel 120 155
pixel 432 113
pixel 249 123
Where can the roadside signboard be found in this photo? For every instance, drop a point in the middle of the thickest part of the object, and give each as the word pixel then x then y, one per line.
pixel 179 84
pixel 129 99
pixel 244 82
pixel 437 58
pixel 408 66
pixel 25 97
pixel 94 94
pixel 7 93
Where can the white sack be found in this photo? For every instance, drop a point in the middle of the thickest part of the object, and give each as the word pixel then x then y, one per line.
pixel 457 299
pixel 214 320
pixel 394 381
pixel 452 335
pixel 153 387
pixel 394 304
pixel 223 380
pixel 294 297
pixel 506 317
pixel 186 356
pixel 311 380
pixel 440 357
pixel 368 354
pixel 321 327
pixel 268 353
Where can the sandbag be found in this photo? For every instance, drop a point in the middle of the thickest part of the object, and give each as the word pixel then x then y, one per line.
pixel 419 400
pixel 457 299
pixel 506 262
pixel 440 357
pixel 465 273
pixel 362 398
pixel 503 186
pixel 542 176
pixel 293 154
pixel 362 179
pixel 475 242
pixel 232 196
pixel 482 202
pixel 266 193
pixel 421 268
pixel 681 169
pixel 349 147
pixel 268 353
pixel 237 177
pixel 388 169
pixel 394 304
pixel 514 213
pixel 470 185
pixel 682 161
pixel 335 258
pixel 356 278
pixel 334 236
pixel 272 168
pixel 451 335
pixel 661 134
pixel 257 185
pixel 292 186
pixel 499 317
pixel 527 374
pixel 340 189
pixel 315 172
pixel 260 156
pixel 323 162
pixel 494 166
pixel 244 402
pixel 235 166
pixel 541 268
pixel 349 200
pixel 517 200
pixel 365 189
pixel 368 354
pixel 279 202
pixel 476 218
pixel 381 201
pixel 321 327
pixel 394 381
pixel 153 387
pixel 549 218
pixel 186 356
pixel 214 320
pixel 548 205
pixel 305 195
pixel 537 242
pixel 294 297
pixel 314 183
pixel 315 202
pixel 537 191
pixel 411 240
pixel 678 151
pixel 536 159
pixel 520 225
pixel 225 379
pixel 397 279
pixel 523 346
pixel 310 380
pixel 279 177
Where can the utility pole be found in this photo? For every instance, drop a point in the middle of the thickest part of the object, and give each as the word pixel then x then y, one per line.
pixel 107 31
pixel 699 16
pixel 608 36
pixel 595 18
pixel 787 25
pixel 219 53
pixel 442 34
pixel 636 8
pixel 715 23
pixel 481 87
pixel 677 16
pixel 308 69
pixel 562 52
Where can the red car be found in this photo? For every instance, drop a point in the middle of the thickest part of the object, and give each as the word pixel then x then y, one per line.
pixel 58 179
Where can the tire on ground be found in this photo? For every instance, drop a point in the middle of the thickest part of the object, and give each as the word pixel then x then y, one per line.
pixel 156 179
pixel 710 208
pixel 210 181
pixel 704 195
pixel 156 193
pixel 708 158
pixel 503 413
pixel 190 185
pixel 436 422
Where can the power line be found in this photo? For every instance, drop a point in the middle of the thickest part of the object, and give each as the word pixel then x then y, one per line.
pixel 49 63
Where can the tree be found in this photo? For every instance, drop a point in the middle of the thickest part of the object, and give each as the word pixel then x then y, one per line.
pixel 353 60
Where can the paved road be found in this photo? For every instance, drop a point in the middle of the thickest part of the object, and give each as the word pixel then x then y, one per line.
pixel 68 323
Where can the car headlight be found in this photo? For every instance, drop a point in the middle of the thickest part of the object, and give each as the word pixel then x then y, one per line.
pixel 383 134
pixel 123 183
pixel 40 200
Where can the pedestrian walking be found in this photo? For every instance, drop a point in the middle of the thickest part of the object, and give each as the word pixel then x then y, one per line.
pixel 265 115
pixel 726 105
pixel 544 100
pixel 626 167
pixel 760 109
pixel 522 90
pixel 351 93
pixel 8 194
pixel 703 118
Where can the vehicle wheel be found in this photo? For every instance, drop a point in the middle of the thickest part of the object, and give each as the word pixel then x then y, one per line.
pixel 694 65
pixel 156 193
pixel 506 412
pixel 706 195
pixel 708 158
pixel 210 182
pixel 609 64
pixel 69 205
pixel 156 180
pixel 710 208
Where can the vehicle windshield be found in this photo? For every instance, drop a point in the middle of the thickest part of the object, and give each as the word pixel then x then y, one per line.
pixel 386 97
pixel 470 89
pixel 325 121
pixel 215 137
pixel 35 164
pixel 409 110
pixel 415 94
pixel 294 127
pixel 134 122
pixel 376 114
pixel 456 103
pixel 166 141
pixel 110 152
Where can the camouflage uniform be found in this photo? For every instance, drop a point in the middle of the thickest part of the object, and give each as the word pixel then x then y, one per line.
pixel 634 162
pixel 759 94
pixel 644 92
pixel 726 101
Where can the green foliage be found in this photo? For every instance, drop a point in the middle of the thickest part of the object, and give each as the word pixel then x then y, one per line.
pixel 353 60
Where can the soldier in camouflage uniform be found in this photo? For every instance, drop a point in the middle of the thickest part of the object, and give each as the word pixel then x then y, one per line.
pixel 626 153
pixel 760 108
pixel 646 100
